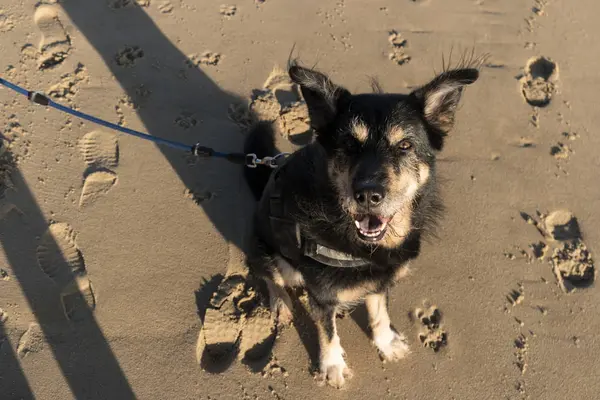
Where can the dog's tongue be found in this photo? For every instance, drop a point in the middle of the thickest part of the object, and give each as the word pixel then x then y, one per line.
pixel 370 223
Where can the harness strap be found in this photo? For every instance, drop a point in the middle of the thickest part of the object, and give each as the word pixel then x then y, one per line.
pixel 292 244
pixel 287 231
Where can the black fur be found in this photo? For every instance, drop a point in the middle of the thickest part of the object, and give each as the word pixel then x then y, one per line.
pixel 315 203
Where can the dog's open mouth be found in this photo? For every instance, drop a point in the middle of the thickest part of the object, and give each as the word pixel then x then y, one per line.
pixel 371 228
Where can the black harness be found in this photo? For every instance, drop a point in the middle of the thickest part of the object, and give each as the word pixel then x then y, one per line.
pixel 292 243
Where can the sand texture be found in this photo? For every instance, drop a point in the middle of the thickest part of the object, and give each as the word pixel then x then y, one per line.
pixel 122 268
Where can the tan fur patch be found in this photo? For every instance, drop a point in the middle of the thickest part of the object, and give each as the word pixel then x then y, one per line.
pixel 405 182
pixel 424 171
pixel 401 273
pixel 436 98
pixel 433 104
pixel 356 293
pixel 359 130
pixel 289 275
pixel 395 134
pixel 377 310
pixel 398 229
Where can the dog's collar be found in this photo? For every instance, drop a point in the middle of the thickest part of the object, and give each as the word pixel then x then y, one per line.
pixel 331 257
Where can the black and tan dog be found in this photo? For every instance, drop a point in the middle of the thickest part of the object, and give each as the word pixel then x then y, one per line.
pixel 343 216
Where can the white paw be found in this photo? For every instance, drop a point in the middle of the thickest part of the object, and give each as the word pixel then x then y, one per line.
pixel 334 374
pixel 392 346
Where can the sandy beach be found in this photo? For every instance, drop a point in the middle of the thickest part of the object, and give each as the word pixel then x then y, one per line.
pixel 122 270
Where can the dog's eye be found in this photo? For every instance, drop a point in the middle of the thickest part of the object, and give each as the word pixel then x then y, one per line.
pixel 405 144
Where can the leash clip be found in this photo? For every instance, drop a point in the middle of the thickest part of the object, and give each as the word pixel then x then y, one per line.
pixel 252 161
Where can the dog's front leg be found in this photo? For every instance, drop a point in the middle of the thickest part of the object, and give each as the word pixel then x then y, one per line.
pixel 332 366
pixel 392 346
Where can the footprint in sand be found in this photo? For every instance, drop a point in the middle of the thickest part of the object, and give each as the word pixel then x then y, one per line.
pixel 59 257
pixel 165 7
pixel 278 101
pixel 236 323
pixel 538 83
pixel 294 120
pixel 265 106
pixel 228 11
pixel 32 341
pixel 6 23
pixel 573 266
pixel 128 56
pixel 571 260
pixel 199 197
pixel 538 10
pixel 68 85
pixel 4 276
pixel 399 44
pixel 55 44
pixel 186 120
pixel 220 332
pixel 258 335
pixel 100 151
pixel 432 335
pixel 206 58
pixel 7 166
pixel 293 114
pixel 95 185
pixel 516 296
pixel 561 151
pixel 521 350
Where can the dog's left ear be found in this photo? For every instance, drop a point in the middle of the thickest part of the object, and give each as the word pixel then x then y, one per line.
pixel 439 98
pixel 322 96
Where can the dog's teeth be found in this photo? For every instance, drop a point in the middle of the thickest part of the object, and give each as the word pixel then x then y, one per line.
pixel 357 224
pixel 371 234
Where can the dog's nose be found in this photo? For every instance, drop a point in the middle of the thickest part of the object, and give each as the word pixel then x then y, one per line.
pixel 368 195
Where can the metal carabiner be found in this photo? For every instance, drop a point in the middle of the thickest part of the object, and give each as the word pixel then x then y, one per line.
pixel 252 161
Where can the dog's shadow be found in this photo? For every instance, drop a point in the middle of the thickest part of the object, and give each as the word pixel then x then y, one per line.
pixel 307 331
pixel 360 316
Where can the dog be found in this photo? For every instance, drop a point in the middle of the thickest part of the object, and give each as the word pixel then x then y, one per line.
pixel 343 216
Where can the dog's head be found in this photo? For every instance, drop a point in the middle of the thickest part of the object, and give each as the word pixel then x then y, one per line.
pixel 381 147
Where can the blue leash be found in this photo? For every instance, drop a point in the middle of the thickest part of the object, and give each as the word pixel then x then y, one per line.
pixel 249 160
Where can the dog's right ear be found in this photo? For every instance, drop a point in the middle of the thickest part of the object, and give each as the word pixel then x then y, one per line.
pixel 322 96
pixel 438 100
